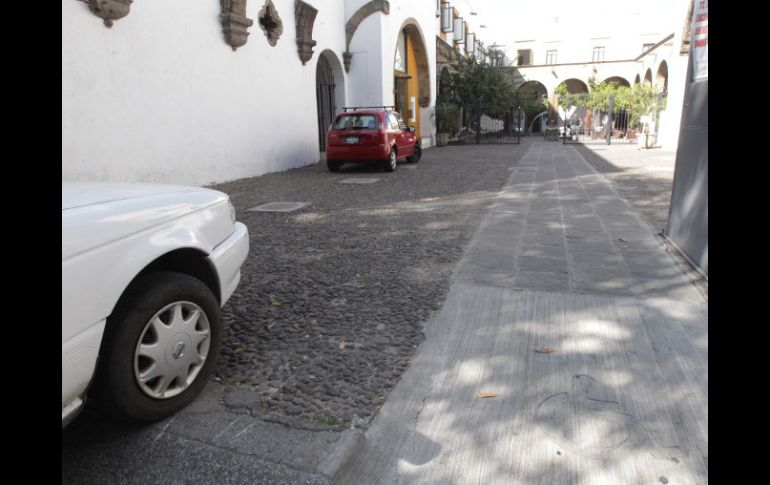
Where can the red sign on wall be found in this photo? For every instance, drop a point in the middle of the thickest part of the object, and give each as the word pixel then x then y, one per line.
pixel 699 46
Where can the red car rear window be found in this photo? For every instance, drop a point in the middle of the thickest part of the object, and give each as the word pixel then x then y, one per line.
pixel 356 122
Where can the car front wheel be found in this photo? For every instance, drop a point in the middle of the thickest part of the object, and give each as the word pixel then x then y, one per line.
pixel 417 155
pixel 159 347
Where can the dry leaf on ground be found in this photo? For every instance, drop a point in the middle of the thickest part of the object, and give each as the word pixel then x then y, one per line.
pixel 484 395
pixel 545 350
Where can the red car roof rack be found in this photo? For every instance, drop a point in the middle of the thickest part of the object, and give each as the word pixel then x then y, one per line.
pixel 353 108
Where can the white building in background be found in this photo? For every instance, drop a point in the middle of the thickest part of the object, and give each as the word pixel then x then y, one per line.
pixel 572 51
pixel 171 93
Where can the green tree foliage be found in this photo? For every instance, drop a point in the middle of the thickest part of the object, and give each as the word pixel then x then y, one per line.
pixel 639 100
pixel 530 103
pixel 448 117
pixel 471 80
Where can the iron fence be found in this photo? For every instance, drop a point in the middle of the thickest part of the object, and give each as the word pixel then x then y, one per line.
pixel 504 127
pixel 596 124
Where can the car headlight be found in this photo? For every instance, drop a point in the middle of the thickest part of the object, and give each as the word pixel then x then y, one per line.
pixel 232 210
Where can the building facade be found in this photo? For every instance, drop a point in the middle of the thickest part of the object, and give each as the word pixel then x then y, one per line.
pixel 210 91
pixel 657 59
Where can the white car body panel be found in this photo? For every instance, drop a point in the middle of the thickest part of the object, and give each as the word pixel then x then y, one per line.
pixel 110 233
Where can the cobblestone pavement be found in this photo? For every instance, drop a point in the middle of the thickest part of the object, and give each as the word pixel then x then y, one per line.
pixel 332 296
pixel 644 179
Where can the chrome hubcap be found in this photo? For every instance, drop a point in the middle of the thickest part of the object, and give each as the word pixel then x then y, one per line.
pixel 172 350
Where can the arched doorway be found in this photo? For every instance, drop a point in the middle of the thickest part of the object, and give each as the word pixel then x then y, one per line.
pixel 618 81
pixel 411 75
pixel 573 113
pixel 330 93
pixel 532 96
pixel 648 78
pixel 637 79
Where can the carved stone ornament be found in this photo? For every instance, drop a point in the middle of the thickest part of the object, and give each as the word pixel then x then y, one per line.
pixel 235 25
pixel 110 10
pixel 270 23
pixel 304 16
pixel 346 58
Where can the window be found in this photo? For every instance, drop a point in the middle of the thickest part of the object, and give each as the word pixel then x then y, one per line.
pixel 523 57
pixel 598 54
pixel 355 122
pixel 550 56
pixel 399 64
pixel 393 121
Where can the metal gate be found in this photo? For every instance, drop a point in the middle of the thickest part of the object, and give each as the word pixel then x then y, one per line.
pixel 324 99
pixel 487 128
pixel 595 124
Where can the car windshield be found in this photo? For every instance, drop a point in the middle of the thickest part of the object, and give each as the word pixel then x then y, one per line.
pixel 356 122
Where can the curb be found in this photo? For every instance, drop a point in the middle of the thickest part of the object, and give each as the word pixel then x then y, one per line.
pixel 345 449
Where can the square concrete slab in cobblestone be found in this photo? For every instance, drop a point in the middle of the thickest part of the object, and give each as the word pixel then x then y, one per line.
pixel 623 398
pixel 279 207
pixel 359 180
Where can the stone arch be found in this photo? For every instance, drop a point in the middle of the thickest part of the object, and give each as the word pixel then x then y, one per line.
pixel 330 92
pixel 353 22
pixel 411 85
pixel 661 78
pixel 540 92
pixel 619 80
pixel 534 86
pixel 575 86
pixel 648 78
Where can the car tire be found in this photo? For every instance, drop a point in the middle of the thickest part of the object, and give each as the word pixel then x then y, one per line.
pixel 417 155
pixel 391 163
pixel 152 361
pixel 333 166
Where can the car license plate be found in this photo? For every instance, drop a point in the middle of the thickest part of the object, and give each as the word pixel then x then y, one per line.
pixel 351 140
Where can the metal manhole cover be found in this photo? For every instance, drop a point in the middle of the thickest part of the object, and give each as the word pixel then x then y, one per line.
pixel 279 207
pixel 359 180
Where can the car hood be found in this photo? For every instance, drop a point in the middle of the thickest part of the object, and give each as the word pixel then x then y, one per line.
pixel 79 194
pixel 96 214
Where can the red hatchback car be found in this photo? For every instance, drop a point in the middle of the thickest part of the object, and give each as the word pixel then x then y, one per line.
pixel 370 134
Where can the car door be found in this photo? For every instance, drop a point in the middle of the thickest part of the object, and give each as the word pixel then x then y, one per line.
pixel 394 132
pixel 405 137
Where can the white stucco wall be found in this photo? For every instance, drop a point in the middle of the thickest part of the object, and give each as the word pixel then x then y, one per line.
pixel 366 74
pixel 160 96
pixel 677 80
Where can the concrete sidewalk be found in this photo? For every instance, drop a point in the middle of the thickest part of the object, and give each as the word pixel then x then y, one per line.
pixel 560 261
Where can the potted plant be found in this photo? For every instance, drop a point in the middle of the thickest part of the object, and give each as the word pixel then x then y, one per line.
pixel 447 116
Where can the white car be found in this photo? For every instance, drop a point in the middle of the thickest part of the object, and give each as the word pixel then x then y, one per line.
pixel 145 271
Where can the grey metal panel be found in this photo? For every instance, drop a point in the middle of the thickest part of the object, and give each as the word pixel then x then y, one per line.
pixel 687 225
